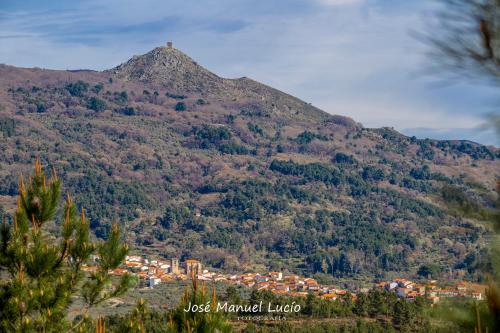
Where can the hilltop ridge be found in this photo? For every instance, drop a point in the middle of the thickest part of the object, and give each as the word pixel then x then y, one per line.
pixel 169 68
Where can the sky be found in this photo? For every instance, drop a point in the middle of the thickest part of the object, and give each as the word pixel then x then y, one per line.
pixel 358 58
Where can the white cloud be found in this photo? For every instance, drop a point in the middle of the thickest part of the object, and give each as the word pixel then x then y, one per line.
pixel 375 112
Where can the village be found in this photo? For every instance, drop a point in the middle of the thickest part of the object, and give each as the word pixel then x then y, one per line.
pixel 153 272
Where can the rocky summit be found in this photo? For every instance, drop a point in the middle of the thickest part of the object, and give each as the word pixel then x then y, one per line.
pixel 243 176
pixel 168 68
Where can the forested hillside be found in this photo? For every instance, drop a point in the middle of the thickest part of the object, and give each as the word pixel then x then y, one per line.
pixel 241 175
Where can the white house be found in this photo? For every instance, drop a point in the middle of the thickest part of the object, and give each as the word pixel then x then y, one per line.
pixel 153 281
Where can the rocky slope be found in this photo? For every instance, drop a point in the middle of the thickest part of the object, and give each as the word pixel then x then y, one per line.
pixel 168 68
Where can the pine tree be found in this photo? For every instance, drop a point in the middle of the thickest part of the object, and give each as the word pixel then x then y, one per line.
pixel 405 316
pixel 3 215
pixel 377 304
pixel 361 305
pixel 135 321
pixel 309 306
pixel 198 322
pixel 43 270
pixel 232 295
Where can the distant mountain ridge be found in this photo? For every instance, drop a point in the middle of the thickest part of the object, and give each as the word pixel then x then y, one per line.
pixel 241 175
pixel 485 136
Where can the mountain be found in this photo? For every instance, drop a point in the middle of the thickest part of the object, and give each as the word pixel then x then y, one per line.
pixel 244 176
pixel 481 135
pixel 169 68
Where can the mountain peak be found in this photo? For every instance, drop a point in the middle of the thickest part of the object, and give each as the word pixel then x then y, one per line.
pixel 168 67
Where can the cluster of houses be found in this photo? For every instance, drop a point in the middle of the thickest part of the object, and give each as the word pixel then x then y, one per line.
pixel 409 290
pixel 291 285
pixel 154 272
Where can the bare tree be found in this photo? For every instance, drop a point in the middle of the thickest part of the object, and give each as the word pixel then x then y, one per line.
pixel 465 38
pixel 465 41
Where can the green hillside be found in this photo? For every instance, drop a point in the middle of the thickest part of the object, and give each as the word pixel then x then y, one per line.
pixel 241 175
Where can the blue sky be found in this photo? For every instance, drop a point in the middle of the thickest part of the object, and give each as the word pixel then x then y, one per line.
pixel 351 57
